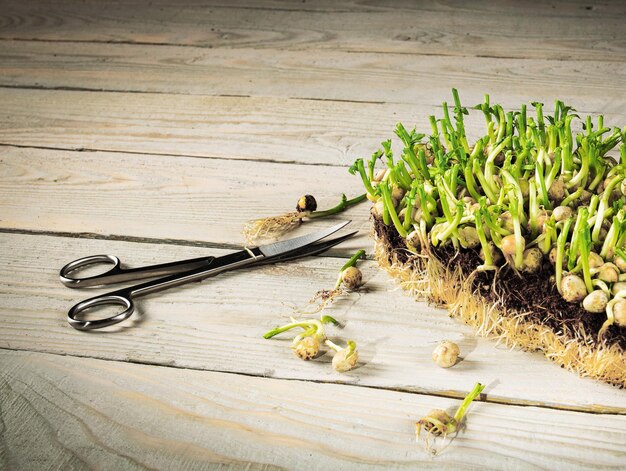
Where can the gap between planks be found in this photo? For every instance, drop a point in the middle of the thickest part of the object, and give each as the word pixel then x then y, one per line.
pixel 149 240
pixel 157 92
pixel 145 198
pixel 346 51
pixel 320 74
pixel 170 154
pixel 81 411
pixel 519 29
pixel 275 129
pixel 484 397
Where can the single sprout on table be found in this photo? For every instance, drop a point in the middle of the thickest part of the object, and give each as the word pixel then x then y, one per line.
pixel 306 203
pixel 352 278
pixel 306 345
pixel 446 354
pixel 349 276
pixel 274 227
pixel 345 358
pixel 439 423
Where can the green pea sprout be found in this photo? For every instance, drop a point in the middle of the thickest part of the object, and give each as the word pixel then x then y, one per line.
pixel 538 193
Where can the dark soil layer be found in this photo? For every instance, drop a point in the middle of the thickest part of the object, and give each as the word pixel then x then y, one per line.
pixel 534 295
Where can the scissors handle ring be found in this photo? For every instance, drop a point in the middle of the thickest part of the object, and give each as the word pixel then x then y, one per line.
pixel 74 282
pixel 107 299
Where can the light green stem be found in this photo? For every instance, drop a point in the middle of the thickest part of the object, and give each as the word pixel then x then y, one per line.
pixel 350 263
pixel 303 324
pixel 344 204
pixel 462 410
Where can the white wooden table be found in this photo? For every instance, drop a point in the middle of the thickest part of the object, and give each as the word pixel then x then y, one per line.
pixel 155 130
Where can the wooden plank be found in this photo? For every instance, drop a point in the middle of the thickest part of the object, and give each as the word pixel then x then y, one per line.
pixel 287 130
pixel 563 8
pixel 203 201
pixel 219 325
pixel 519 29
pixel 60 412
pixel 318 74
pixel 233 127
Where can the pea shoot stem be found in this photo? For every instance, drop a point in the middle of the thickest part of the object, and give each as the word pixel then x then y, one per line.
pixel 352 261
pixel 344 203
pixel 473 394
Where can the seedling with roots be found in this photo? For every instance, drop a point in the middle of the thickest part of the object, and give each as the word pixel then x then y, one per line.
pixel 439 423
pixel 306 345
pixel 274 227
pixel 615 313
pixel 349 277
pixel 446 354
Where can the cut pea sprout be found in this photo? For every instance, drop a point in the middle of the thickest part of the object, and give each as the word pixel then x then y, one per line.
pixel 306 203
pixel 446 354
pixel 439 423
pixel 349 277
pixel 535 193
pixel 274 227
pixel 345 358
pixel 306 345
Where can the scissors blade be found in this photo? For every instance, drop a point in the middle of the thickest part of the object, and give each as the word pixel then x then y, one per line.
pixel 289 245
pixel 309 250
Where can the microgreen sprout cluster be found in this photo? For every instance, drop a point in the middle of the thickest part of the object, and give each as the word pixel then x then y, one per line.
pixel 274 227
pixel 439 423
pixel 306 345
pixel 536 192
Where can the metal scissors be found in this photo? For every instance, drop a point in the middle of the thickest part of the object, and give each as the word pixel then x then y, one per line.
pixel 179 273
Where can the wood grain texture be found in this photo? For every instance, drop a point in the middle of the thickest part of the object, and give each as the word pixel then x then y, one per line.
pixel 178 164
pixel 239 128
pixel 515 29
pixel 276 129
pixel 219 325
pixel 162 197
pixel 593 86
pixel 86 413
